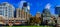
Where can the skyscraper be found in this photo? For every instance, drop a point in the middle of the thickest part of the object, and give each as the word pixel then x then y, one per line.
pixel 26 9
pixel 46 14
pixel 7 10
pixel 23 12
pixel 57 10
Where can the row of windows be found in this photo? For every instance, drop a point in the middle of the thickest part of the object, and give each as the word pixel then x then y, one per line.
pixel 5 8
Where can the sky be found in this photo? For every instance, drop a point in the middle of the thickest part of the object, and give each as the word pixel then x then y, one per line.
pixel 36 5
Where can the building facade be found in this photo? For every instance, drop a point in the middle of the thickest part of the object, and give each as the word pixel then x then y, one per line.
pixel 38 14
pixel 46 15
pixel 23 13
pixel 7 10
pixel 57 10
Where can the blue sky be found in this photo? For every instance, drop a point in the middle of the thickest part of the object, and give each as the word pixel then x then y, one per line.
pixel 35 5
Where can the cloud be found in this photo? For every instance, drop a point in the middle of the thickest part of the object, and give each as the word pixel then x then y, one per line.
pixel 48 6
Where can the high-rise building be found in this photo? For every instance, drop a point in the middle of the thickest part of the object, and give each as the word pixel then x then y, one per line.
pixel 46 15
pixel 23 13
pixel 26 9
pixel 7 10
pixel 57 10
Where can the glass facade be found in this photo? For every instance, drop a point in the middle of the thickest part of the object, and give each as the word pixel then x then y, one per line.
pixel 57 10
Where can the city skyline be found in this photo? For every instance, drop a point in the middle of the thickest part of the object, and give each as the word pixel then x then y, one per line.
pixel 35 5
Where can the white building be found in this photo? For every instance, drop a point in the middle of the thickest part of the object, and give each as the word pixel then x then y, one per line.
pixel 7 10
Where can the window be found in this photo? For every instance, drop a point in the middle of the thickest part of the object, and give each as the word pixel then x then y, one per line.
pixel 0 13
pixel 0 10
pixel 4 7
pixel 0 7
pixel 6 15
